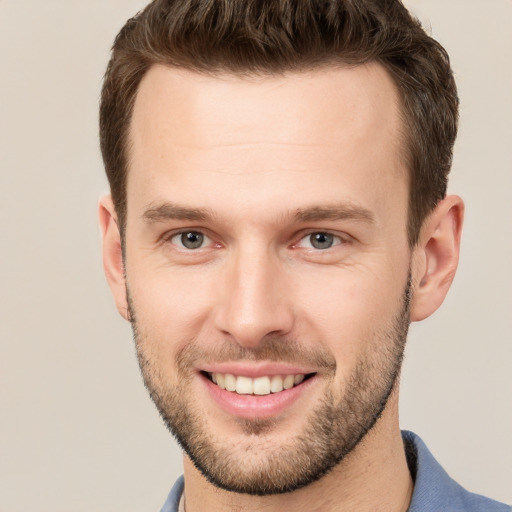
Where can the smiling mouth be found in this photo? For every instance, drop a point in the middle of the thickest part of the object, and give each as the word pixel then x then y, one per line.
pixel 261 386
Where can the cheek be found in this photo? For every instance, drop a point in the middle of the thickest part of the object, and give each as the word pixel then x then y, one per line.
pixel 347 310
pixel 171 307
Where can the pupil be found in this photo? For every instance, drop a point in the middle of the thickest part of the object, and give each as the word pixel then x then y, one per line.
pixel 321 240
pixel 192 239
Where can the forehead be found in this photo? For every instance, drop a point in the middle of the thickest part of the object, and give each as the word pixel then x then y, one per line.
pixel 364 95
pixel 263 134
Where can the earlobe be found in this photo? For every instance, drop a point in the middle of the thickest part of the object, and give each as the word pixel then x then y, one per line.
pixel 436 256
pixel 113 265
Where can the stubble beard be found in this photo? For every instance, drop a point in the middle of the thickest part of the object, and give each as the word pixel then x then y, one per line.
pixel 332 430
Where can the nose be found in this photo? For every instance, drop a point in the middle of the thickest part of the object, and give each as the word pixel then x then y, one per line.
pixel 253 301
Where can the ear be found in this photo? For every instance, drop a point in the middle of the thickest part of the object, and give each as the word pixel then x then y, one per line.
pixel 436 256
pixel 112 254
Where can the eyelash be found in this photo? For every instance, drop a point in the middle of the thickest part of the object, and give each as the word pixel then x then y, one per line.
pixel 180 234
pixel 335 239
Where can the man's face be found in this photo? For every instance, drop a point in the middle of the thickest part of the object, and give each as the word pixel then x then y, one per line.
pixel 266 250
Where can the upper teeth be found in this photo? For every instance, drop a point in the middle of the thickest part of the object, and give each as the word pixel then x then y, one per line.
pixel 258 386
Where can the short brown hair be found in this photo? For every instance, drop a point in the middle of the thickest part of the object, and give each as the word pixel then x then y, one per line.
pixel 270 36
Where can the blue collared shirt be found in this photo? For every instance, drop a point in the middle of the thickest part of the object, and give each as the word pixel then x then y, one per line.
pixel 434 490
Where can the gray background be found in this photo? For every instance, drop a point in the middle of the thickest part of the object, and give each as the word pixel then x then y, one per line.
pixel 77 431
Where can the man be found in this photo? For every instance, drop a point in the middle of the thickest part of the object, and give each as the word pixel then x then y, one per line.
pixel 278 216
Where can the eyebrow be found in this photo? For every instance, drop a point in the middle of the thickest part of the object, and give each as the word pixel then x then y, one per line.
pixel 171 211
pixel 335 212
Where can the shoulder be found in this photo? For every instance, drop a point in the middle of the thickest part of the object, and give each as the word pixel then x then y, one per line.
pixel 434 490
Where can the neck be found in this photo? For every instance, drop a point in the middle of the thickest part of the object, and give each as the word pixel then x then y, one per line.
pixel 374 477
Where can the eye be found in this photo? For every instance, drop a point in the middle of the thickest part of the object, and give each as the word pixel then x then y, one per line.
pixel 190 240
pixel 319 240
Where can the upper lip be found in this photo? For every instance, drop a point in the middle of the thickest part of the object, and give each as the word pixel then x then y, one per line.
pixel 256 369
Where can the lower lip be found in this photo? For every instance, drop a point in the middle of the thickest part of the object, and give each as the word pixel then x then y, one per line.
pixel 257 406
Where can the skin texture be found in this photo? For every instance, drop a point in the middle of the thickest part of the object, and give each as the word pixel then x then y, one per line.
pixel 257 165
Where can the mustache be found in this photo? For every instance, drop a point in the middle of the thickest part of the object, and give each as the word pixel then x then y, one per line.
pixel 270 349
